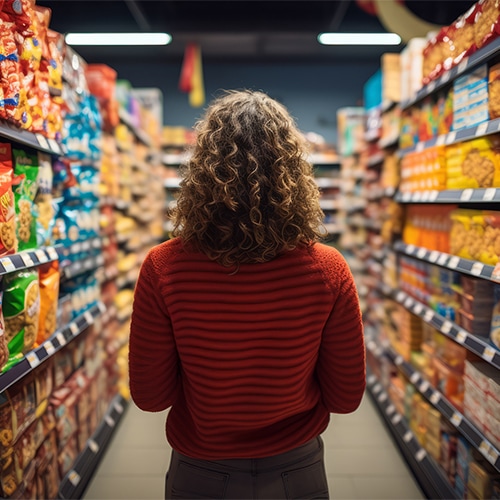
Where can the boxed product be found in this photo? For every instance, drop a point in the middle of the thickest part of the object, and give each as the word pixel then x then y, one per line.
pixel 495 318
pixel 464 457
pixel 391 77
pixel 470 98
pixel 480 481
pixel 492 429
pixel 487 22
pixel 449 452
pixel 411 63
pixel 449 382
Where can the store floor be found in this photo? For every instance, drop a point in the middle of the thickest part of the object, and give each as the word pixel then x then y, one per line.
pixel 362 461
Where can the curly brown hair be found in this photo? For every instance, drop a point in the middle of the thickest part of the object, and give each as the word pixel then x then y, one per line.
pixel 248 192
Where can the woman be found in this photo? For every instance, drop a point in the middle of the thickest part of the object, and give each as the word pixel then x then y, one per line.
pixel 245 325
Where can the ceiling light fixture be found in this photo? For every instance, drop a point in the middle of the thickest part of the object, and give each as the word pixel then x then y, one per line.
pixel 118 38
pixel 359 39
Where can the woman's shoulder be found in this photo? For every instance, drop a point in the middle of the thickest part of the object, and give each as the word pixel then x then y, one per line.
pixel 330 260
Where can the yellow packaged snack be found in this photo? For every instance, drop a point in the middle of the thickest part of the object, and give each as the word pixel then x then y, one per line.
pixel 460 232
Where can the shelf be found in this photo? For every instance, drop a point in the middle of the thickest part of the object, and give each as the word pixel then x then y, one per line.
pixel 386 142
pixel 29 258
pixel 82 266
pixel 172 182
pixel 482 195
pixel 128 120
pixel 427 472
pixel 30 139
pixel 459 421
pixel 479 57
pixel 56 342
pixel 452 262
pixel 78 478
pixel 477 345
pixel 465 134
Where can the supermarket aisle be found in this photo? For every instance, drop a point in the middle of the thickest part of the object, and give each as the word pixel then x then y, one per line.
pixel 362 460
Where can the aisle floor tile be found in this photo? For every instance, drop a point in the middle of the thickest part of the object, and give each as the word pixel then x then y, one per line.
pixel 362 461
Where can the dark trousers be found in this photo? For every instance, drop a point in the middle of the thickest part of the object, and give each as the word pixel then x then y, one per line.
pixel 298 474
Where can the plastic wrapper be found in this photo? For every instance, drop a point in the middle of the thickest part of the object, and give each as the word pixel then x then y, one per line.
pixel 21 309
pixel 44 202
pixel 49 277
pixel 494 91
pixel 25 189
pixel 8 237
pixel 486 22
pixel 10 70
pixel 463 35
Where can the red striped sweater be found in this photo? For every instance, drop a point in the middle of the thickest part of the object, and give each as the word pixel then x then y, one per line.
pixel 251 363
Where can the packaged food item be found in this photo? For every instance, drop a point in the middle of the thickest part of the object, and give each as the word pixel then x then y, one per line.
pixel 463 35
pixel 21 309
pixel 4 349
pixel 44 203
pixel 494 91
pixel 495 318
pixel 49 277
pixel 8 238
pixel 25 188
pixel 486 22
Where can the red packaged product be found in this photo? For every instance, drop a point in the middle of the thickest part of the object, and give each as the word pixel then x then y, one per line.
pixel 486 22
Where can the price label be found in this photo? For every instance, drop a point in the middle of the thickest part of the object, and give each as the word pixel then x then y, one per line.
pixel 433 196
pixel 429 315
pixel 431 86
pixel 433 256
pixel 42 141
pixel 118 407
pixel 54 146
pixel 463 65
pixel 442 259
pixel 407 436
pixel 398 360
pixel 451 137
pixel 371 379
pixel 73 327
pixel 481 129
pixel 441 140
pixel 489 194
pixel 453 262
pixel 408 302
pixel 406 197
pixel 32 358
pixel 446 327
pixel 27 260
pixel 396 419
pixel 41 256
pixel 88 317
pixel 74 477
pixel 382 398
pixel 435 398
pixel 466 195
pixel 425 196
pixel 61 338
pixel 489 353
pixel 485 448
pixel 390 409
pixel 52 253
pixel 49 347
pixel 76 247
pixel 461 336
pixel 377 388
pixel 410 249
pixel 93 446
pixel 417 196
pixel 420 455
pixel 400 296
pixel 414 377
pixel 493 456
pixel 418 309
pixel 477 268
pixel 109 420
pixel 421 253
pixel 456 419
pixel 424 386
pixel 8 264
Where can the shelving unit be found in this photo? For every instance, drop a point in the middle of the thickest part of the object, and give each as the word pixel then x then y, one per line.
pixel 428 472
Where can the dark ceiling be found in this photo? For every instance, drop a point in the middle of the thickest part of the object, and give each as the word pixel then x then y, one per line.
pixel 235 30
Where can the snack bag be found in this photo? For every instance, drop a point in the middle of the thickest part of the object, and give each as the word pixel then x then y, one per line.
pixel 4 350
pixel 8 238
pixel 494 91
pixel 21 310
pixel 495 318
pixel 49 277
pixel 25 188
pixel 487 22
pixel 44 203
pixel 10 71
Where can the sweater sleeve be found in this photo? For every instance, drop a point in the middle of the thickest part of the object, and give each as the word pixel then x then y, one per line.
pixel 341 363
pixel 153 360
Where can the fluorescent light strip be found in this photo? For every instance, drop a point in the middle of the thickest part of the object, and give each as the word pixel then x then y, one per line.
pixel 118 38
pixel 359 39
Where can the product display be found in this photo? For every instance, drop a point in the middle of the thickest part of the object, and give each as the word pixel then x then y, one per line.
pixel 432 325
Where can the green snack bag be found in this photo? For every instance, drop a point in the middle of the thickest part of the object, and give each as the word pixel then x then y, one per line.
pixel 25 187
pixel 21 311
